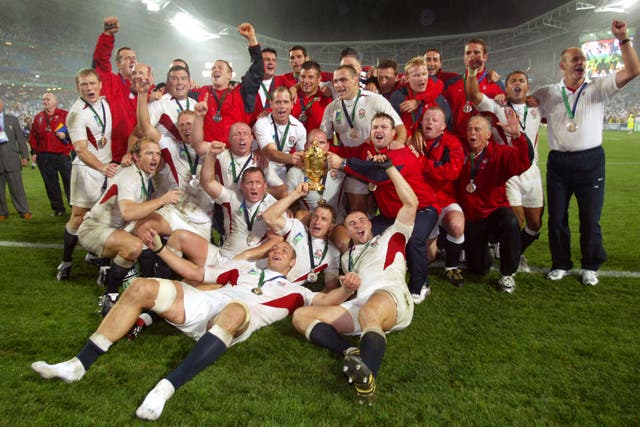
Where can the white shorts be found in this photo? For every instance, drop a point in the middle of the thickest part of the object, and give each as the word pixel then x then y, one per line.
pixel 92 235
pixel 201 307
pixel 86 186
pixel 213 255
pixel 401 297
pixel 526 189
pixel 355 186
pixel 179 221
pixel 451 207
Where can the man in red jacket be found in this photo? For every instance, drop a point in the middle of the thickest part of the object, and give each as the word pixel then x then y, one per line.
pixel 50 148
pixel 481 192
pixel 117 87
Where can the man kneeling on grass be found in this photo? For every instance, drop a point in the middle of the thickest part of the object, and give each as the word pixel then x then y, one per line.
pixel 217 317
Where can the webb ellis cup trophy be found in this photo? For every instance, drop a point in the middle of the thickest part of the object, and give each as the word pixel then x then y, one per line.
pixel 315 166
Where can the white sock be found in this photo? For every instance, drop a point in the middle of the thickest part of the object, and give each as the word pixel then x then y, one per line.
pixel 153 404
pixel 69 371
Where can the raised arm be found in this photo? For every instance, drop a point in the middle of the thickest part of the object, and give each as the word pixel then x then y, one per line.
pixel 208 180
pixel 143 86
pixel 629 56
pixel 274 215
pixel 407 213
pixel 197 132
pixel 253 77
pixel 472 88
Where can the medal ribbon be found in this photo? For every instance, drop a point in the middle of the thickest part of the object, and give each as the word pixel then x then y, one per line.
pixel 284 136
pixel 233 167
pixel 103 122
pixel 523 123
pixel 146 191
pixel 474 168
pixel 192 165
pixel 267 95
pixel 351 120
pixel 180 105
pixel 261 280
pixel 312 256
pixel 303 107
pixel 219 101
pixel 571 112
pixel 353 263
pixel 253 217
pixel 436 142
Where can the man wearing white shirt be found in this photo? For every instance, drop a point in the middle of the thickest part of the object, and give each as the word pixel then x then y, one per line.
pixel 279 133
pixel 574 109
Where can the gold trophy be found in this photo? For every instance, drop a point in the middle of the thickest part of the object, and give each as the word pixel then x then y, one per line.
pixel 315 166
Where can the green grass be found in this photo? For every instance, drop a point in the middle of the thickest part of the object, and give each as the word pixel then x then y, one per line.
pixel 550 354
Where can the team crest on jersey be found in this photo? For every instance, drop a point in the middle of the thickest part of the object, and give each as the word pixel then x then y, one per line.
pixel 362 113
pixel 292 139
pixel 534 114
pixel 298 237
pixel 338 117
pixel 484 87
pixel 318 253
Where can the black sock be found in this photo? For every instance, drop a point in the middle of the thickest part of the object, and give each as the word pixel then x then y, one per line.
pixel 70 242
pixel 326 336
pixel 146 261
pixel 116 275
pixel 89 354
pixel 526 239
pixel 372 348
pixel 452 253
pixel 206 351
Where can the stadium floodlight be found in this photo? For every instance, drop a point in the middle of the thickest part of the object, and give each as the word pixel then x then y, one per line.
pixel 155 5
pixel 584 6
pixel 192 28
pixel 620 6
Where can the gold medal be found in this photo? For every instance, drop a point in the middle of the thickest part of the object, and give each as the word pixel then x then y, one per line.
pixel 103 141
pixel 312 277
pixel 372 187
pixel 571 126
pixel 354 134
pixel 218 117
pixel 302 117
pixel 467 108
pixel 257 291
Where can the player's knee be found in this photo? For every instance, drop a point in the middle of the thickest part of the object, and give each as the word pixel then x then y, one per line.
pixel 234 318
pixel 141 290
pixel 165 296
pixel 133 249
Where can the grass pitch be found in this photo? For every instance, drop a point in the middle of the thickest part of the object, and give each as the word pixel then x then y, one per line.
pixel 550 354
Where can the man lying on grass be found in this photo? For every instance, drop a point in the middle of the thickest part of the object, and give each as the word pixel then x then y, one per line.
pixel 216 316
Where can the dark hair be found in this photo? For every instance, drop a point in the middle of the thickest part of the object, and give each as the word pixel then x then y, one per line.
pixel 298 47
pixel 382 115
pixel 252 169
pixel 478 41
pixel 269 50
pixel 178 68
pixel 311 65
pixel 388 63
pixel 349 51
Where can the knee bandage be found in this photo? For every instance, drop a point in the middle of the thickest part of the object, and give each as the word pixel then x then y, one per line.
pixel 166 296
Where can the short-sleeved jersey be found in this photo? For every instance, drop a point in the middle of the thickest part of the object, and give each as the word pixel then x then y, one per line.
pixel 325 255
pixel 287 138
pixel 333 193
pixel 229 169
pixel 242 216
pixel 361 110
pixel 381 261
pixel 129 183
pixel 593 95
pixel 84 124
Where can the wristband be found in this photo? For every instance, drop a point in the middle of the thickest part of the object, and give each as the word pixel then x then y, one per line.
pixel 625 41
pixel 159 250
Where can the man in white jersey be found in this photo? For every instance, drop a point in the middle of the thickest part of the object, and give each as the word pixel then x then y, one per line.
pixel 333 182
pixel 215 318
pixel 574 109
pixel 232 162
pixel 349 116
pixel 171 122
pixel 279 133
pixel 244 208
pixel 315 253
pixel 126 199
pixel 382 303
pixel 524 191
pixel 89 124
